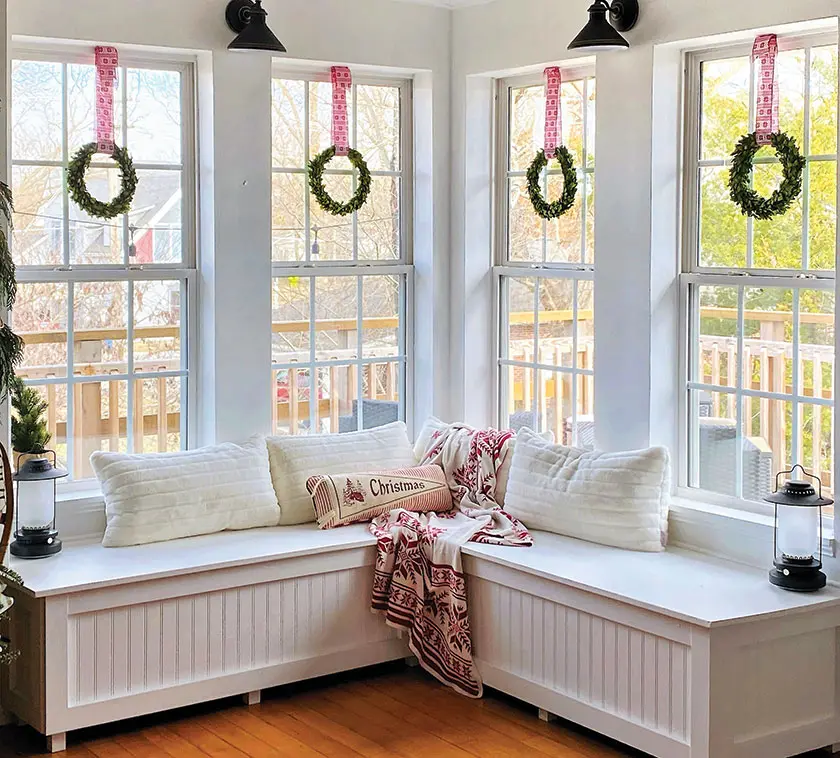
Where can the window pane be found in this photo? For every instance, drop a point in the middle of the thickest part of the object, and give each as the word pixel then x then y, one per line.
pixel 768 336
pixel 336 318
pixel 777 243
pixel 94 240
pixel 337 409
pixel 822 215
pixel 713 446
pixel 790 70
pixel 521 316
pixel 157 326
pixel 156 217
pixel 157 415
pixel 816 343
pixel 381 316
pixel 292 390
pixel 38 235
pixel 556 329
pixel 55 396
pixel 379 221
pixel 288 127
pixel 590 123
pixel 40 317
pixel 589 252
pixel 288 228
pixel 718 348
pixel 564 236
pixel 36 111
pixel 571 102
pixel 378 127
pixel 726 105
pixel 555 405
pixel 824 100
pixel 320 123
pixel 154 116
pixel 290 306
pixel 527 125
pixel 99 422
pixel 100 322
pixel 817 444
pixel 81 105
pixel 586 324
pixel 723 229
pixel 334 233
pixel 525 232
pixel 521 397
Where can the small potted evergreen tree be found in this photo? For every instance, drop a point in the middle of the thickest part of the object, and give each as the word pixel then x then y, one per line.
pixel 30 435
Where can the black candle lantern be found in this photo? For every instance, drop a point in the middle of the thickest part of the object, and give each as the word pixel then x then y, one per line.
pixel 797 537
pixel 35 533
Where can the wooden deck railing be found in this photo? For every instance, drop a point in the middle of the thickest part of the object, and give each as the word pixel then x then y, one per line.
pixel 101 406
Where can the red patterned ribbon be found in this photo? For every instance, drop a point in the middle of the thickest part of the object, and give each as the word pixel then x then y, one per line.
pixel 553 116
pixel 766 48
pixel 107 63
pixel 342 80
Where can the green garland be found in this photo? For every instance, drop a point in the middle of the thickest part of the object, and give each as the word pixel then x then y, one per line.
pixel 316 183
pixel 78 189
pixel 740 189
pixel 559 207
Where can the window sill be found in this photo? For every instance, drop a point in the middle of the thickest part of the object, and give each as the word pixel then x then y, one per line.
pixel 740 536
pixel 80 512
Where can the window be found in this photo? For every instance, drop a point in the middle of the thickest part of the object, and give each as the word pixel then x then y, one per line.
pixel 759 294
pixel 545 270
pixel 104 306
pixel 341 285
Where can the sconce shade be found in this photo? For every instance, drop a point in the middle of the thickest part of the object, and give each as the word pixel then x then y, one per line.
pixel 248 19
pixel 599 34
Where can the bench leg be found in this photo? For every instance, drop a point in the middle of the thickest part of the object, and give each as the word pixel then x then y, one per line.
pixel 833 749
pixel 412 662
pixel 546 716
pixel 252 698
pixel 57 743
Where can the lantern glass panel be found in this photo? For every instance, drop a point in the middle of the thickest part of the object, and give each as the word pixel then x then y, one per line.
pixel 799 531
pixel 36 504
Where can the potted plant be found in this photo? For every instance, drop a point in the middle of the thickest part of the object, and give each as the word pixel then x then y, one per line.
pixel 30 435
pixel 11 353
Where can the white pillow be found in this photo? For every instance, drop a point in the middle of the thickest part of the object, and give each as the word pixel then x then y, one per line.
pixel 618 499
pixel 295 459
pixel 166 496
pixel 433 425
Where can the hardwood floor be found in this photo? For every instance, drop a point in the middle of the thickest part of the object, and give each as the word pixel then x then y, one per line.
pixel 380 713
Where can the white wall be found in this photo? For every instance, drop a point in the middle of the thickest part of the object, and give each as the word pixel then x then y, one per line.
pixel 235 178
pixel 637 179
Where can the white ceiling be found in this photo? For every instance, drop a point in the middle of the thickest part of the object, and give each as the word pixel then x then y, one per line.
pixel 449 3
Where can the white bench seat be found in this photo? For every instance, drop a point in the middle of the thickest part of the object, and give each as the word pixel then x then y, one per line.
pixel 678 654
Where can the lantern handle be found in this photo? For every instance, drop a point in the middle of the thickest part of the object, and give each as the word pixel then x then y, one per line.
pixel 10 503
pixel 805 474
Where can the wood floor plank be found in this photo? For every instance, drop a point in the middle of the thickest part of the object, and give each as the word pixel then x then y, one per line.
pixel 214 746
pixel 172 744
pixel 228 726
pixel 268 724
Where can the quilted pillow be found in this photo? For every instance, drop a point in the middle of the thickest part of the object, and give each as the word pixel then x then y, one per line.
pixel 166 496
pixel 618 499
pixel 295 459
pixel 349 498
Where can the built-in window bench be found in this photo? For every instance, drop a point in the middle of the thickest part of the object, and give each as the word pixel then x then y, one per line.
pixel 676 654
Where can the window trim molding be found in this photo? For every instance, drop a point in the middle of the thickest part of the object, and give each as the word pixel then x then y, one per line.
pixel 402 267
pixel 694 274
pixel 186 272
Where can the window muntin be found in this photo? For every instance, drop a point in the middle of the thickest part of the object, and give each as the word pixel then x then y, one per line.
pixel 341 287
pixel 760 294
pixel 104 306
pixel 545 269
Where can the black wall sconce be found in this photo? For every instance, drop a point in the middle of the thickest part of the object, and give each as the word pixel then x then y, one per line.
pixel 600 35
pixel 247 19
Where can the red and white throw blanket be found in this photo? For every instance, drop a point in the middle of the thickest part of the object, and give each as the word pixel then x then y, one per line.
pixel 419 584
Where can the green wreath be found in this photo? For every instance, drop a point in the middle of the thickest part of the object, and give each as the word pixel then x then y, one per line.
pixel 78 188
pixel 559 207
pixel 745 197
pixel 316 183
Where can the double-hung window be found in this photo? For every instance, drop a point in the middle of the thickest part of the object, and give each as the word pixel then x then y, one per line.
pixel 105 307
pixel 759 357
pixel 341 285
pixel 545 269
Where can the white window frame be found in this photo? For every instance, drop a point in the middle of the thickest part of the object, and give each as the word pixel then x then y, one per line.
pixel 693 274
pixel 505 268
pixel 403 267
pixel 184 272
